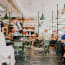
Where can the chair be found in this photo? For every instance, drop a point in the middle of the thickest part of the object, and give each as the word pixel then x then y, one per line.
pixel 46 46
pixel 18 47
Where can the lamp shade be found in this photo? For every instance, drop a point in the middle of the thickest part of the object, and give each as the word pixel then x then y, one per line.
pixel 42 17
pixel 6 17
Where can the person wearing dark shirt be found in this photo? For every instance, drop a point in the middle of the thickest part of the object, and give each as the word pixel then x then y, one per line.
pixel 63 47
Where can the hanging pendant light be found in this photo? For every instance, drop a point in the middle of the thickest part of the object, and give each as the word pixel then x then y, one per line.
pixel 6 17
pixel 42 17
pixel 41 20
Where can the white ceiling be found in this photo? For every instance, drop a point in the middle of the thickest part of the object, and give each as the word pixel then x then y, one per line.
pixel 30 8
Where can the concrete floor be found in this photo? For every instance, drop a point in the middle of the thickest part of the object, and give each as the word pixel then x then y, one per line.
pixel 37 60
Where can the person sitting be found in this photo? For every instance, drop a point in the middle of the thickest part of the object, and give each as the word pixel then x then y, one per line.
pixel 53 40
pixel 63 47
